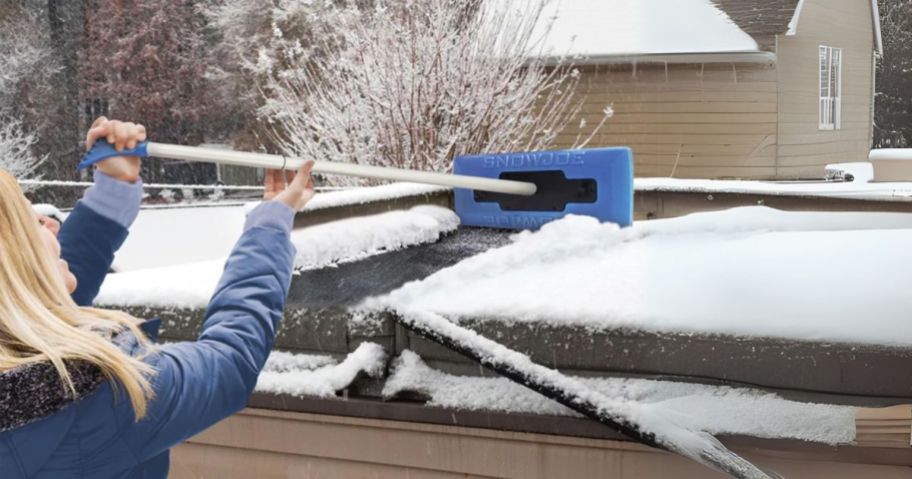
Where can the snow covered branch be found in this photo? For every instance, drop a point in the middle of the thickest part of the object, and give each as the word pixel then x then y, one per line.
pixel 415 83
pixel 16 149
pixel 25 59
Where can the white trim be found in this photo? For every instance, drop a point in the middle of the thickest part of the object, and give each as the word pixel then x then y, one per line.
pixel 829 107
pixel 793 24
pixel 878 40
pixel 838 120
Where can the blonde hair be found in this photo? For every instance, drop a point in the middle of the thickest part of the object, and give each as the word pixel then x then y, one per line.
pixel 39 321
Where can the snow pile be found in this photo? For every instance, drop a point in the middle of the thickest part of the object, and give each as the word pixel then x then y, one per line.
pixel 713 409
pixel 747 271
pixel 307 375
pixel 180 286
pixel 356 238
pixel 596 28
pixel 191 285
pixel 285 362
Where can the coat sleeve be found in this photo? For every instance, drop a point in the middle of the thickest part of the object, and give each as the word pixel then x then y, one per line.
pixel 88 242
pixel 95 230
pixel 199 383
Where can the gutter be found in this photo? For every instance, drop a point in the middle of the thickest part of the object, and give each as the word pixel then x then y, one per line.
pixel 755 57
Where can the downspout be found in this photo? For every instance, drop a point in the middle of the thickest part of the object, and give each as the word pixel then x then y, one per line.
pixel 873 98
pixel 778 108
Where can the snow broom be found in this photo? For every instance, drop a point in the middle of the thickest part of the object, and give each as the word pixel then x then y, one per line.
pixel 512 190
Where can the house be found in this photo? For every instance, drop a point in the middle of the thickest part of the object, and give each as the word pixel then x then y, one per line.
pixel 759 89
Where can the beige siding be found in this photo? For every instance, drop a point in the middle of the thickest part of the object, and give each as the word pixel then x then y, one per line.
pixel 684 120
pixel 271 444
pixel 804 149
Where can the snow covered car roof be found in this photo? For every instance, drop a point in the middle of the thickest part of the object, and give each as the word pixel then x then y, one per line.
pixel 768 291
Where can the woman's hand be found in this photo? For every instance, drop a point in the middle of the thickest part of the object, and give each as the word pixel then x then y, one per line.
pixel 295 190
pixel 120 134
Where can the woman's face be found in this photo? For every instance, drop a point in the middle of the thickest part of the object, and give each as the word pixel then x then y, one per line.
pixel 48 228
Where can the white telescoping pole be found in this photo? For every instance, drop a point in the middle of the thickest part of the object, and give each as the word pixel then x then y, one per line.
pixel 263 160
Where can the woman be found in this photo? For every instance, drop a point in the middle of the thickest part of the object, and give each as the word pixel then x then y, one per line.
pixel 82 392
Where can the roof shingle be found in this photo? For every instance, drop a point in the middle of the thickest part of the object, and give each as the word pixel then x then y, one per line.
pixel 761 19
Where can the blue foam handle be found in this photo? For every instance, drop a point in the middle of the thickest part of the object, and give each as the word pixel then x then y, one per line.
pixel 611 168
pixel 103 150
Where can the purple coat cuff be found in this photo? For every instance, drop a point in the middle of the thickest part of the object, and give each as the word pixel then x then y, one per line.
pixel 270 214
pixel 114 199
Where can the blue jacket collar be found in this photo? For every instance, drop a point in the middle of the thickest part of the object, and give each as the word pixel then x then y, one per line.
pixel 35 391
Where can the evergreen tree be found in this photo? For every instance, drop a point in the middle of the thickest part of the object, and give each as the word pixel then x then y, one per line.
pixel 893 104
pixel 145 61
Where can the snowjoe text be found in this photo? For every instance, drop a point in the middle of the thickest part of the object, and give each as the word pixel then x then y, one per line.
pixel 523 160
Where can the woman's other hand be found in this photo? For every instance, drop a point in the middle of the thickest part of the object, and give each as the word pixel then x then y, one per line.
pixel 293 189
pixel 121 135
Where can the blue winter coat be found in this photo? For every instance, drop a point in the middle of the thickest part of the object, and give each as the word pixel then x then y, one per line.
pixel 196 385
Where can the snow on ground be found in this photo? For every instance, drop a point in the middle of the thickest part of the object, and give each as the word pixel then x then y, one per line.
pixel 191 285
pixel 597 28
pixel 746 271
pixel 308 375
pixel 857 190
pixel 714 409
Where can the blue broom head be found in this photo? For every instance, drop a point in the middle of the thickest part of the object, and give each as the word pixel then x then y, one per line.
pixel 595 182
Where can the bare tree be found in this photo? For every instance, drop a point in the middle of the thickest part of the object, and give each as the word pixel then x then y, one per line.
pixel 253 41
pixel 24 59
pixel 16 145
pixel 414 83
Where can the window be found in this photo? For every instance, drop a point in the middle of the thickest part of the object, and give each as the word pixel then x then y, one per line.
pixel 830 87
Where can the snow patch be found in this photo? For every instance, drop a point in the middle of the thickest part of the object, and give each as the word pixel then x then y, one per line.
pixel 793 23
pixel 359 196
pixel 191 285
pixel 356 238
pixel 297 376
pixel 180 286
pixel 855 190
pixel 285 362
pixel 712 409
pixel 172 236
pixel 750 271
pixel 898 154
